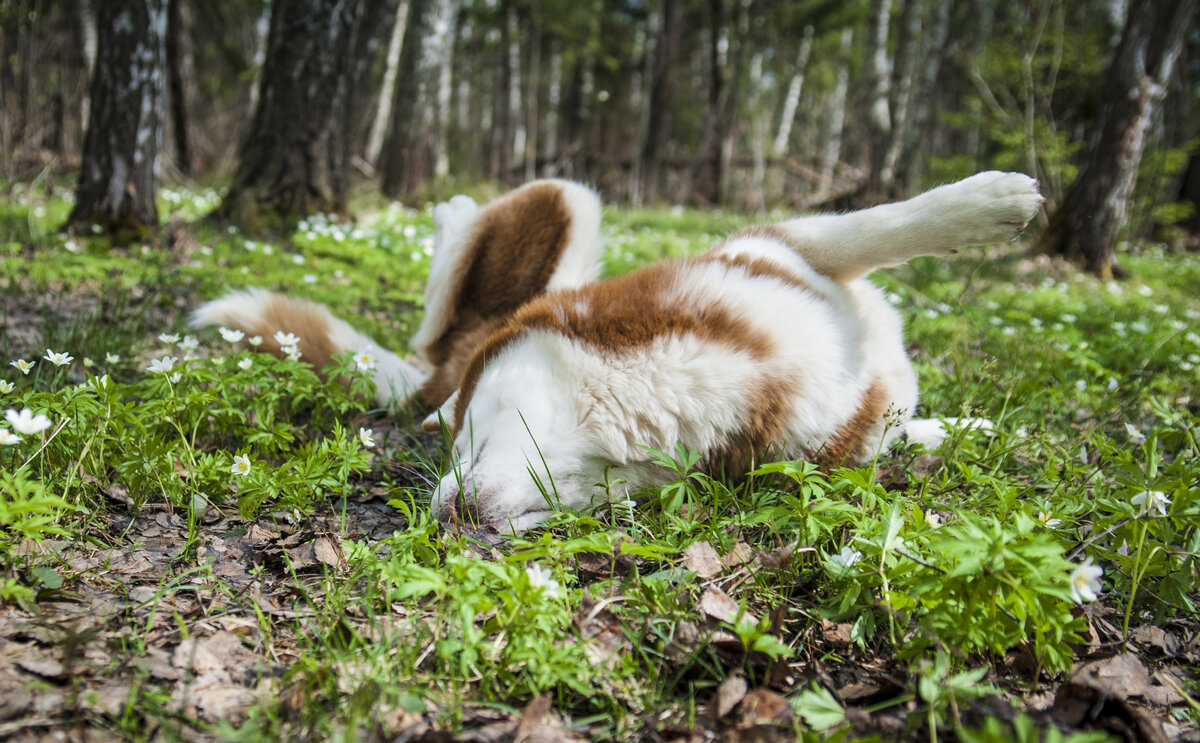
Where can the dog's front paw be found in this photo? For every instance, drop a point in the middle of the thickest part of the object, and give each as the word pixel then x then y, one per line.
pixel 995 207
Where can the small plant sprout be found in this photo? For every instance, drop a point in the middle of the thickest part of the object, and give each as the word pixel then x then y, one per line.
pixel 364 361
pixel 21 364
pixel 25 422
pixel 245 364
pixel 255 340
pixel 58 359
pixel 540 579
pixel 1134 434
pixel 366 437
pixel 1085 582
pixel 112 358
pixel 241 465
pixel 232 336
pixel 286 339
pixel 162 366
pixel 169 338
pixel 1152 500
pixel 8 438
pixel 6 386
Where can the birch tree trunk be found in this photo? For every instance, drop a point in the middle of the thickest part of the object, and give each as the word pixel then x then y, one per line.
pixel 879 114
pixel 837 119
pixel 791 101
pixel 383 112
pixel 1089 222
pixel 118 179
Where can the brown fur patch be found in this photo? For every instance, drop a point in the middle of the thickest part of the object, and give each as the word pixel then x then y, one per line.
pixel 848 444
pixel 762 430
pixel 616 315
pixel 515 248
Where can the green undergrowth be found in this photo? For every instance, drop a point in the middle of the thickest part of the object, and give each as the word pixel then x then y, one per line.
pixel 943 563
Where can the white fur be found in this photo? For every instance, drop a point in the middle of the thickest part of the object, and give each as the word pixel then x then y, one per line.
pixel 549 409
pixel 452 231
pixel 580 260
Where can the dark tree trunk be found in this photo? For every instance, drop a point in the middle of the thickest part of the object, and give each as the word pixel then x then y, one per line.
pixel 1089 222
pixel 402 139
pixel 177 61
pixel 370 26
pixel 284 164
pixel 658 131
pixel 118 177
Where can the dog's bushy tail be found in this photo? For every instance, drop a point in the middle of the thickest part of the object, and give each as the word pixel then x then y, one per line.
pixel 258 312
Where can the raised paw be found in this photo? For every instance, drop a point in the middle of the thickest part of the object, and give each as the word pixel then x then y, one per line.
pixel 993 206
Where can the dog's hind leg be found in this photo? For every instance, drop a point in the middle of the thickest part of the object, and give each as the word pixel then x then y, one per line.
pixel 985 208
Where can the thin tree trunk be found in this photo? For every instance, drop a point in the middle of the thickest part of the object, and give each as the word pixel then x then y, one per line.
pixel 903 90
pixel 791 101
pixel 387 90
pixel 118 180
pixel 533 94
pixel 553 101
pixel 659 127
pixel 879 114
pixel 921 134
pixel 442 42
pixel 179 68
pixel 837 122
pixel 1089 222
pixel 398 149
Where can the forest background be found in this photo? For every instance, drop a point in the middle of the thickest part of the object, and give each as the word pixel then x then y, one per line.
pixel 749 104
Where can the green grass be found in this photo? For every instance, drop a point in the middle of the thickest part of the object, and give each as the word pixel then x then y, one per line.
pixel 942 567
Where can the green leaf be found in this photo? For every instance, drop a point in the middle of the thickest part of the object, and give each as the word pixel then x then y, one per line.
pixel 818 708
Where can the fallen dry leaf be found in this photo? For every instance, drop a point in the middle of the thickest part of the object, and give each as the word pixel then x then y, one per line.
pixel 729 695
pixel 702 559
pixel 717 604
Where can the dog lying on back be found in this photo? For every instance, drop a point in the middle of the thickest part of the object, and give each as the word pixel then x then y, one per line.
pixel 771 345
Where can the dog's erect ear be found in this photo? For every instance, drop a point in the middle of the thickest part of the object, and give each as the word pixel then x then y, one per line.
pixel 433 422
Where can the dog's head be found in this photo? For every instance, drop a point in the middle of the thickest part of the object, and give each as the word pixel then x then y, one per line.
pixel 525 438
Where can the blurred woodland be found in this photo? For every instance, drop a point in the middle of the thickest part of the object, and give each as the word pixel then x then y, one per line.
pixel 290 106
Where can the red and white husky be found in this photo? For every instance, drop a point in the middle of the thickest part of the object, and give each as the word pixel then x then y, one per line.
pixel 771 344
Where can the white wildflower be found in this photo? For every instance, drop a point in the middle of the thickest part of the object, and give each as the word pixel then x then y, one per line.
pixel 310 278
pixel 189 343
pixel 932 520
pixel 245 364
pixel 169 338
pixel 175 377
pixel 1085 582
pixel 1080 385
pixel 846 558
pixel 58 359
pixel 255 340
pixel 1134 434
pixel 292 351
pixel 241 465
pixel 1152 500
pixel 298 259
pixel 1145 291
pixel 285 339
pixel 1113 384
pixel 365 437
pixel 1048 519
pixel 112 358
pixel 8 438
pixel 364 361
pixel 540 578
pixel 6 386
pixel 162 366
pixel 22 364
pixel 25 422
